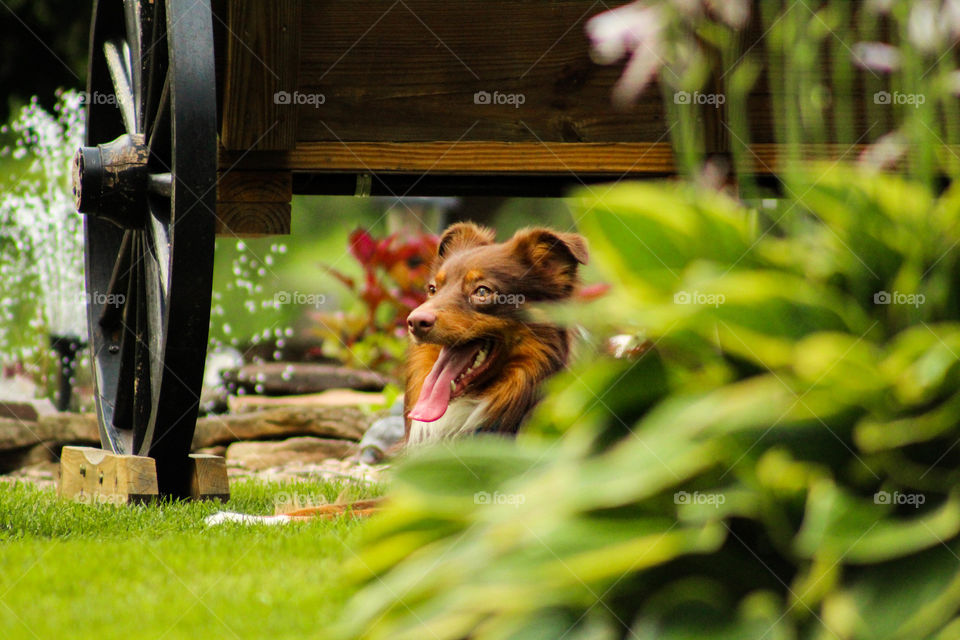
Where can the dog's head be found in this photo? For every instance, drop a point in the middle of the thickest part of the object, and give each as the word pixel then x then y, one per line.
pixel 477 304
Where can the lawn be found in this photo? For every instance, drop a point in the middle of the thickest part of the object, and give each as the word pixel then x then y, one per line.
pixel 157 571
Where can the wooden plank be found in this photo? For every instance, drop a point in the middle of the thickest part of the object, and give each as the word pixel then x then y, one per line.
pixel 631 159
pixel 208 478
pixel 464 157
pixel 262 60
pixel 95 476
pixel 415 71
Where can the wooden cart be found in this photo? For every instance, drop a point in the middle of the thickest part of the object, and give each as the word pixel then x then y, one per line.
pixel 225 109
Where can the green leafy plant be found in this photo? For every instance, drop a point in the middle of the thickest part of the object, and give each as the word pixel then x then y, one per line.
pixel 780 465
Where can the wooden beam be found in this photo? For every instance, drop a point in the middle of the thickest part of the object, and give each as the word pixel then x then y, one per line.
pixel 262 63
pixel 253 203
pixel 633 159
pixel 463 157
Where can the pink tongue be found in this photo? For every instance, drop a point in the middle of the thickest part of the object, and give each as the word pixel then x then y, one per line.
pixel 435 394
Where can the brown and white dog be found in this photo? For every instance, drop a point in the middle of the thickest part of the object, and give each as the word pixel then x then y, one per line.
pixel 479 354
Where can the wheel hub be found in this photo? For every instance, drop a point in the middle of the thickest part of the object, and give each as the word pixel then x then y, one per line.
pixel 110 181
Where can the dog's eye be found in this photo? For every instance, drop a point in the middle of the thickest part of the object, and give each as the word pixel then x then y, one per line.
pixel 431 289
pixel 482 293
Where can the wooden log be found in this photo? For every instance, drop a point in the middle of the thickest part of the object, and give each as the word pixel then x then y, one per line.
pixel 287 378
pixel 95 476
pixel 347 423
pixel 262 62
pixel 208 478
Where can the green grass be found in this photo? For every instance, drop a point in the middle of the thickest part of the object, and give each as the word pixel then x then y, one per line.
pixel 156 571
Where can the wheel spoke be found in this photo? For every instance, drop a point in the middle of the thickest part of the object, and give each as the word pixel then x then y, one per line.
pixel 134 43
pixel 159 232
pixel 118 289
pixel 156 258
pixel 160 119
pixel 153 50
pixel 123 402
pixel 121 84
pixel 146 353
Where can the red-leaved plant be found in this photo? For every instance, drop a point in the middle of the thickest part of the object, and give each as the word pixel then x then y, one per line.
pixel 395 272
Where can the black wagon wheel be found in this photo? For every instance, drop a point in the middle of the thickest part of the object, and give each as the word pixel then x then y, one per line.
pixel 145 182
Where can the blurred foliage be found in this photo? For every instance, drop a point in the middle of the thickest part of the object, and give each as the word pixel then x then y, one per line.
pixel 395 271
pixel 781 465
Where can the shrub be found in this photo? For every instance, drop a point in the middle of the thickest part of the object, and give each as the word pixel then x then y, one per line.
pixel 781 465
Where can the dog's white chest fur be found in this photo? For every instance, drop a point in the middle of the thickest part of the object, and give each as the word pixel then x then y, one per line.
pixel 463 416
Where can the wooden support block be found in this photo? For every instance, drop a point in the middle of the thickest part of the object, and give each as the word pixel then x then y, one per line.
pixel 208 478
pixel 95 476
pixel 254 186
pixel 254 203
pixel 252 219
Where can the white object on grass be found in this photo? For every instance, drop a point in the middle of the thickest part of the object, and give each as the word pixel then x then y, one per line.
pixel 229 516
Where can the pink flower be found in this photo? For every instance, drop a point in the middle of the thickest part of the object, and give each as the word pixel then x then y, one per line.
pixel 876 56
pixel 633 30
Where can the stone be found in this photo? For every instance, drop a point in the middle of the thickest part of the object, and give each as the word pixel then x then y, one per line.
pixel 349 423
pixel 307 449
pixel 328 398
pixel 29 410
pixel 288 378
pixel 74 428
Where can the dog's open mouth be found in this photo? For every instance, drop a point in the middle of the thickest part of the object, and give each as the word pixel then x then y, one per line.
pixel 454 370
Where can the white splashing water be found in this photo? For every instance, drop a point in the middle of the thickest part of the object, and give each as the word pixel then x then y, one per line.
pixel 41 251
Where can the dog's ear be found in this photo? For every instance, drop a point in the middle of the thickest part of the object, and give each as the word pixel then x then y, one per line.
pixel 552 258
pixel 463 235
pixel 540 245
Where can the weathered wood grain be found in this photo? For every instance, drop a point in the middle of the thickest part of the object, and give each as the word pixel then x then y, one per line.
pixel 411 71
pixel 262 51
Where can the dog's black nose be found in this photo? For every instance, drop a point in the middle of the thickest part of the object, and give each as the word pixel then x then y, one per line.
pixel 420 322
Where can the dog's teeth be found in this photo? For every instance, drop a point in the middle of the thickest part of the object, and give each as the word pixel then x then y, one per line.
pixel 453 386
pixel 481 356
